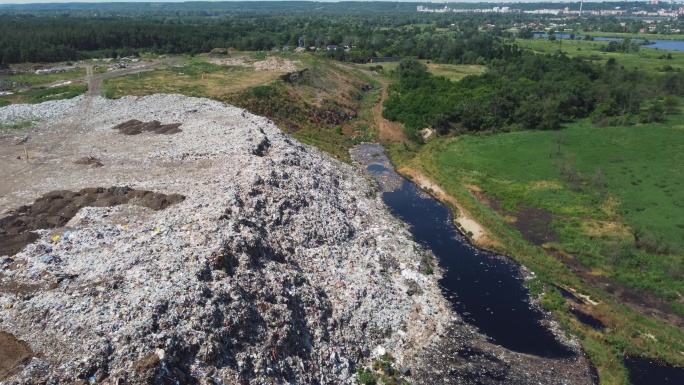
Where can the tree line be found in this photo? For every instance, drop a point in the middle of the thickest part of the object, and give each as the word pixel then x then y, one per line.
pixel 528 91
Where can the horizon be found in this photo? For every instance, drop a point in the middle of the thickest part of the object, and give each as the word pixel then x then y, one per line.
pixel 24 2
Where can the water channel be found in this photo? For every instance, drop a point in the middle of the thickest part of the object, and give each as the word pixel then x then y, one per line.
pixel 487 290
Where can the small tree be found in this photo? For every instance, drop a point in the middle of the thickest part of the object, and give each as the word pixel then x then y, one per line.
pixel 671 104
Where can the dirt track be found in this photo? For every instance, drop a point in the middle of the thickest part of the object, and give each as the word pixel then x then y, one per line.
pixel 94 81
pixel 387 131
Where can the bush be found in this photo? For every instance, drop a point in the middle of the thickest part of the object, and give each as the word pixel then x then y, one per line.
pixel 365 377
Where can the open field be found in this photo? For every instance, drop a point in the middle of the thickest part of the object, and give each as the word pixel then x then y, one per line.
pixel 196 77
pixel 627 178
pixel 630 179
pixel 647 59
pixel 450 71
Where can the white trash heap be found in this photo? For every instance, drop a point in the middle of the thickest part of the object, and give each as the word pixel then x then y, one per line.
pixel 280 265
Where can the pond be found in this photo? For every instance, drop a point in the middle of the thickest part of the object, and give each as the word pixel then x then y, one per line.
pixel 643 371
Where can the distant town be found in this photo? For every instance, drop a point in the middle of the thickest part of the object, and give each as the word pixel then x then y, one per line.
pixel 654 8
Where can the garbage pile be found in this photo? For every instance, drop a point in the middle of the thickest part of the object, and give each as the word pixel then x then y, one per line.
pixel 7 85
pixel 281 265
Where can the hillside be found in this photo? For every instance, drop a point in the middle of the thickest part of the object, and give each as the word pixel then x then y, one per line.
pixel 227 253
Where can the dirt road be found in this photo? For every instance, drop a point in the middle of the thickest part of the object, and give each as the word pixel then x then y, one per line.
pixel 387 131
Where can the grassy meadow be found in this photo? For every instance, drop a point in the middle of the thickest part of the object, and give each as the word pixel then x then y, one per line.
pixel 196 77
pixel 600 184
pixel 454 72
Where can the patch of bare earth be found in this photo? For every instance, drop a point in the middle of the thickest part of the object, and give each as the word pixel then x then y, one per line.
pixel 135 127
pixel 387 131
pixel 13 353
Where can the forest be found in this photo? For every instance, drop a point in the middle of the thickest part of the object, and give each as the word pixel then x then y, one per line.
pixel 73 31
pixel 523 90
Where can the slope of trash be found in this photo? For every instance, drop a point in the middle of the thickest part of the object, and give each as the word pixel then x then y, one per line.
pixel 275 264
pixel 280 263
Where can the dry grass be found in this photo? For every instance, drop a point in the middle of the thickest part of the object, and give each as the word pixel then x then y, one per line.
pixel 455 72
pixel 195 78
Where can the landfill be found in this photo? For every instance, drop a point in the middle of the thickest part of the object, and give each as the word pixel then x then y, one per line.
pixel 281 265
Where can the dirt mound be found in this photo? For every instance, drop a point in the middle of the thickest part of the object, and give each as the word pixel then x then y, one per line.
pixel 13 352
pixel 218 52
pixel 56 208
pixel 275 64
pixel 135 127
pixel 90 161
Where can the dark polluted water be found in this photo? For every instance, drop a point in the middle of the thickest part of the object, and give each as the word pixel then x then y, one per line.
pixel 643 371
pixel 485 289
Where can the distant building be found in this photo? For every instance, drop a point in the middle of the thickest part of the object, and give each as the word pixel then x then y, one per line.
pixel 331 47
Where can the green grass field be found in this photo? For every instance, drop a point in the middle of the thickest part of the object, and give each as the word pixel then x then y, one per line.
pixel 649 36
pixel 453 72
pixel 641 170
pixel 647 59
pixel 628 178
pixel 196 77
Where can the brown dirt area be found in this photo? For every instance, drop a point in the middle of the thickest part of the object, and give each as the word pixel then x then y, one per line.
pixel 90 160
pixel 56 208
pixel 135 127
pixel 13 353
pixel 645 303
pixel 387 131
pixel 533 223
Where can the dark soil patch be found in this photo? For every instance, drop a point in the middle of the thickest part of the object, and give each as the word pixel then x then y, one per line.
pixel 135 127
pixel 146 369
pixel 13 353
pixel 24 290
pixel 533 223
pixel 645 303
pixel 56 208
pixel 90 161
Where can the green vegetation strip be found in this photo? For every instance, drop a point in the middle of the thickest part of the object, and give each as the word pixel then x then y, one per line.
pixel 650 60
pixel 627 175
